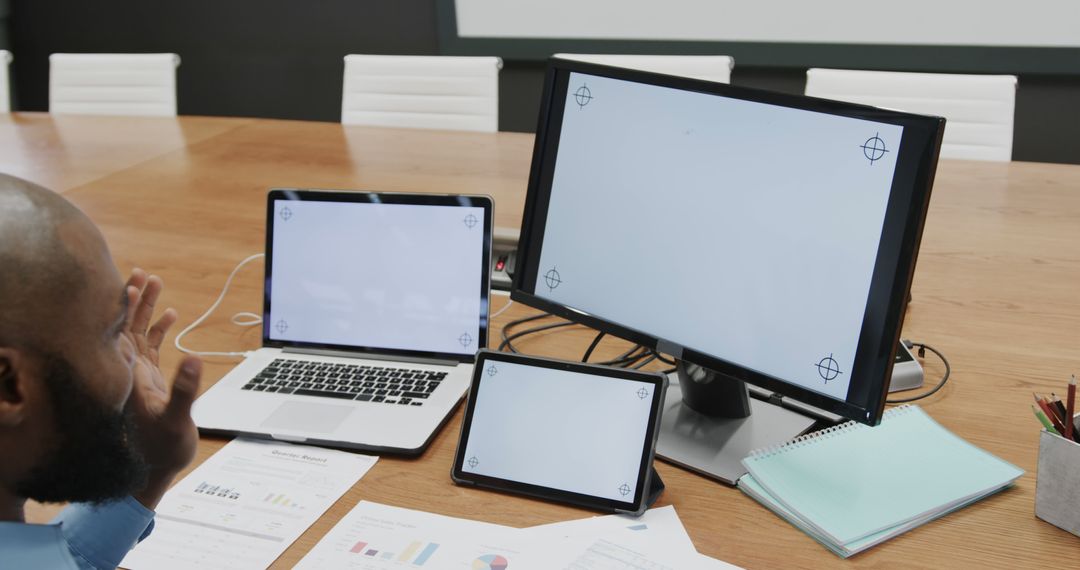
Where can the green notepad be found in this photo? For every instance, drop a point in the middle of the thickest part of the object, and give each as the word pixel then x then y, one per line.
pixel 854 486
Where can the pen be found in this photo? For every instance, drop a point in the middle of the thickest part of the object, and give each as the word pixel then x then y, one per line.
pixel 1045 422
pixel 1070 409
pixel 1050 415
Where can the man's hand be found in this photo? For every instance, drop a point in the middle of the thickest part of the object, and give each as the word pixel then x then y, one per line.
pixel 167 436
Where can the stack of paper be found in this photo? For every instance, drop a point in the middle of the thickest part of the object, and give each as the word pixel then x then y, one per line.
pixel 854 486
pixel 381 537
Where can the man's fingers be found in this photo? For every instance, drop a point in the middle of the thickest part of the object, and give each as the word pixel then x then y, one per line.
pixel 144 310
pixel 133 288
pixel 137 279
pixel 132 301
pixel 185 388
pixel 156 334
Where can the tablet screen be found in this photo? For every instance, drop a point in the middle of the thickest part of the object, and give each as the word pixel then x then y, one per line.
pixel 566 428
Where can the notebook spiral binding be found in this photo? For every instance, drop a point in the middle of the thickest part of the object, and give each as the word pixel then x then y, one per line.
pixel 803 441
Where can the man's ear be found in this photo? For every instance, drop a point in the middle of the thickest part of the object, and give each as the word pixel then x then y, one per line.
pixel 13 378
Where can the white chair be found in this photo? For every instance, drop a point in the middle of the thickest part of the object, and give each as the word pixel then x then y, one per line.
pixel 5 84
pixel 978 109
pixel 708 67
pixel 422 92
pixel 113 83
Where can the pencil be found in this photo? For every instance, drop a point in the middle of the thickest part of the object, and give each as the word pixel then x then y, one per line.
pixel 1070 409
pixel 1049 412
pixel 1057 406
pixel 1045 422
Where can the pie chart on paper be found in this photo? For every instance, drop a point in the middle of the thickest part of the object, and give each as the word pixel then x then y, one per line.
pixel 490 562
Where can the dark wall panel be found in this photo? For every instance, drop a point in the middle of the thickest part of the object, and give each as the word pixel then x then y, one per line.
pixel 1047 125
pixel 265 58
pixel 5 13
pixel 520 87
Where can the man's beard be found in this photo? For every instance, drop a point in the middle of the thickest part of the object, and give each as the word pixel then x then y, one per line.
pixel 94 457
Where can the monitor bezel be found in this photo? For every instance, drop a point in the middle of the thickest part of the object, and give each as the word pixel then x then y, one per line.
pixel 908 202
pixel 403 198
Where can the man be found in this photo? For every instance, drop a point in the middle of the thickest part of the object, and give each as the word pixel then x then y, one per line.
pixel 85 414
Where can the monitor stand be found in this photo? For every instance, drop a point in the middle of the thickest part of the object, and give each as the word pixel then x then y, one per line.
pixel 710 423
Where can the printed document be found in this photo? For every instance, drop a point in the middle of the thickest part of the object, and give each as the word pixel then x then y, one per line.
pixel 245 505
pixel 381 537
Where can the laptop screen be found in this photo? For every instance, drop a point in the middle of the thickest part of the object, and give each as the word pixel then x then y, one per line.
pixel 377 272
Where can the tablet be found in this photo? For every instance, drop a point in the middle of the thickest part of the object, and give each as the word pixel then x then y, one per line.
pixel 563 431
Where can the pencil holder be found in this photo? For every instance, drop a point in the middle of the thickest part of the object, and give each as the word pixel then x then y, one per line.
pixel 1057 484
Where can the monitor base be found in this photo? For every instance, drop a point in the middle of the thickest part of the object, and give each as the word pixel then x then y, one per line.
pixel 715 447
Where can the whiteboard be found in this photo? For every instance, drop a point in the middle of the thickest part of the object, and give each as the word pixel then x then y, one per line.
pixel 993 23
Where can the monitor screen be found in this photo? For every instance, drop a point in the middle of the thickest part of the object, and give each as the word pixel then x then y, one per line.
pixel 766 236
pixel 394 272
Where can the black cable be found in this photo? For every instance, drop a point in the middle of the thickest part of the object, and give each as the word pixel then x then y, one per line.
pixel 635 357
pixel 634 353
pixel 507 340
pixel 661 358
pixel 592 346
pixel 524 320
pixel 922 354
pixel 651 358
pixel 625 357
pixel 512 324
pixel 624 360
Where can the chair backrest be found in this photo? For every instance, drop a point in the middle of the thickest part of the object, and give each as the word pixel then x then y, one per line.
pixel 113 83
pixel 978 109
pixel 422 92
pixel 708 67
pixel 5 84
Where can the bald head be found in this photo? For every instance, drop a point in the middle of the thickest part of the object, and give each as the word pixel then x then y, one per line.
pixel 40 276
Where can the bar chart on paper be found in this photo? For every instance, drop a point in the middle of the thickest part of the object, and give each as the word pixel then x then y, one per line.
pixel 379 537
pixel 281 500
pixel 243 506
pixel 417 553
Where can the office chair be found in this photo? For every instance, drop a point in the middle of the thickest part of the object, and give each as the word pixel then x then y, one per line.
pixel 978 108
pixel 708 67
pixel 5 83
pixel 113 83
pixel 422 92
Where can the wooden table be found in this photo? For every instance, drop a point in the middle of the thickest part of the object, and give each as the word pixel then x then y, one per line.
pixel 997 289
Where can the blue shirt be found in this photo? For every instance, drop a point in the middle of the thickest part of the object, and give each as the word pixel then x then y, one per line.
pixel 81 537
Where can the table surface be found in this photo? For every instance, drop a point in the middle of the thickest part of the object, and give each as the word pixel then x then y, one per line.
pixel 996 289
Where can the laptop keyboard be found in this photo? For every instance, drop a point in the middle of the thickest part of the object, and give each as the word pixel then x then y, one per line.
pixel 401 386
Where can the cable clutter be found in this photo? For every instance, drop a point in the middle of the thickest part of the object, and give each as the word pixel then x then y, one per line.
pixel 637 357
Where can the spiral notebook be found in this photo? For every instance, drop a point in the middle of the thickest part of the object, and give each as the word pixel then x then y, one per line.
pixel 853 486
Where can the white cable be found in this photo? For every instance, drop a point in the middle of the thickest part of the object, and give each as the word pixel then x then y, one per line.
pixel 213 307
pixel 251 319
pixel 500 311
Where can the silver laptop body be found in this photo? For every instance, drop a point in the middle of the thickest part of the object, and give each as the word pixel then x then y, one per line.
pixel 374 307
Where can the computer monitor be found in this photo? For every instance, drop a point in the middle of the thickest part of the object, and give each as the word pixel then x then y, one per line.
pixel 758 237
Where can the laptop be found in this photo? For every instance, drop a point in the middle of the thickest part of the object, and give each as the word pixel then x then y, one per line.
pixel 374 307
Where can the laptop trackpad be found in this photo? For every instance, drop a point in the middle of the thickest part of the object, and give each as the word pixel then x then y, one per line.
pixel 309 417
